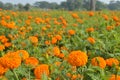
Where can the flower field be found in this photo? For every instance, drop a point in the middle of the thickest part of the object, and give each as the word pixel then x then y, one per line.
pixel 59 45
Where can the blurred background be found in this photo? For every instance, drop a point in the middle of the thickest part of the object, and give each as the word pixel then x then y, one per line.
pixel 71 5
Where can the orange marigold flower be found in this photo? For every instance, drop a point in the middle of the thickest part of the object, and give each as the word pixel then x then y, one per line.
pixel 2 37
pixel 2 70
pixel 98 61
pixel 61 55
pixel 115 18
pixel 2 47
pixel 44 28
pixel 77 58
pixel 54 40
pixel 91 40
pixel 90 29
pixel 31 61
pixel 74 77
pixel 71 32
pixel 56 51
pixel 23 54
pixel 7 44
pixel 24 78
pixel 57 63
pixel 33 39
pixel 3 22
pixel 91 13
pixel 11 60
pixel 4 40
pixel 68 75
pixel 114 77
pixel 109 27
pixel 105 17
pixel 47 42
pixel 40 70
pixel 74 15
pixel 112 61
pixel 58 37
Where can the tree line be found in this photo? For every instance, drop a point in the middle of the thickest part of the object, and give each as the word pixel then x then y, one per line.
pixel 66 5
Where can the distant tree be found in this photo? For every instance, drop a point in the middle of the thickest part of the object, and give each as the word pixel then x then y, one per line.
pixel 114 5
pixel 42 4
pixel 63 5
pixel 54 5
pixel 1 5
pixel 74 4
pixel 20 7
pixel 86 2
pixel 27 6
pixel 92 5
pixel 100 5
pixel 8 6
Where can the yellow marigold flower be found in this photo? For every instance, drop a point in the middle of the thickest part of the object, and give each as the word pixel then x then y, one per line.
pixel 77 58
pixel 112 61
pixel 98 61
pixel 40 70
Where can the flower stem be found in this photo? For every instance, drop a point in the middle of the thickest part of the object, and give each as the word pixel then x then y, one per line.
pixel 15 74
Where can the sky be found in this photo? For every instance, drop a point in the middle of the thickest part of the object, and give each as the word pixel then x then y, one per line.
pixel 33 1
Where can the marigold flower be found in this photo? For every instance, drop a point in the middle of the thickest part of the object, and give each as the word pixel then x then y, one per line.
pixel 54 40
pixel 2 70
pixel 56 51
pixel 47 42
pixel 77 58
pixel 105 17
pixel 74 15
pixel 91 40
pixel 31 61
pixel 68 75
pixel 71 32
pixel 61 55
pixel 115 18
pixel 2 47
pixel 114 77
pixel 74 77
pixel 98 61
pixel 2 37
pixel 23 54
pixel 7 44
pixel 112 61
pixel 40 70
pixel 4 40
pixel 91 13
pixel 33 39
pixel 109 28
pixel 11 60
pixel 58 37
pixel 57 63
pixel 90 29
